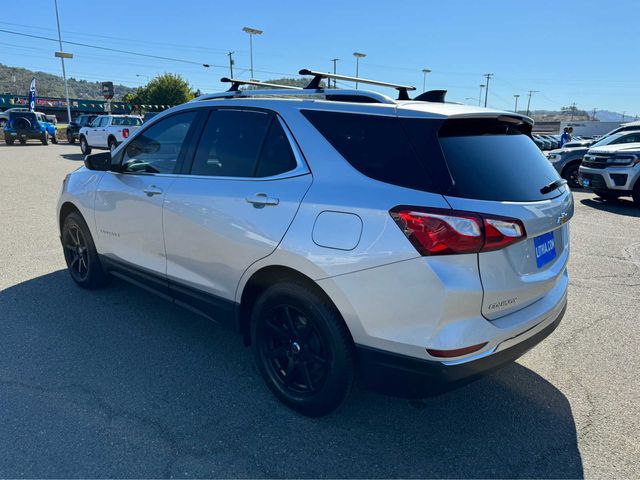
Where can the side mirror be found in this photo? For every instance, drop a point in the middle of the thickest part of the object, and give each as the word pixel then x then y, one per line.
pixel 98 161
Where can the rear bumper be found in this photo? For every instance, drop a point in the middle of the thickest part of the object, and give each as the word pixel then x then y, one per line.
pixel 411 377
pixel 28 134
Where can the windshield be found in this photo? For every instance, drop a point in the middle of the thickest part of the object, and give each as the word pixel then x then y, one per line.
pixel 608 140
pixel 130 121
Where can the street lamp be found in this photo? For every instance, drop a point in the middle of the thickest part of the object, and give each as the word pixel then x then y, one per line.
pixel 62 56
pixel 424 79
pixel 334 60
pixel 358 56
pixel 482 85
pixel 251 32
pixel 516 108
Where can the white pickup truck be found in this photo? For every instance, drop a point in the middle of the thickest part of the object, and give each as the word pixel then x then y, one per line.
pixel 108 131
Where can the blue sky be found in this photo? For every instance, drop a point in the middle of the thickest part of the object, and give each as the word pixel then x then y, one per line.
pixel 571 51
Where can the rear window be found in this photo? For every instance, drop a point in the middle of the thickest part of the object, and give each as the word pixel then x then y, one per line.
pixel 375 145
pixel 493 159
pixel 128 121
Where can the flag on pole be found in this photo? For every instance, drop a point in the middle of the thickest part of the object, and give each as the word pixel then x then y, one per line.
pixel 32 95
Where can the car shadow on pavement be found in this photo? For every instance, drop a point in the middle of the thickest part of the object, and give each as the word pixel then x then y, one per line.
pixel 73 156
pixel 118 383
pixel 620 206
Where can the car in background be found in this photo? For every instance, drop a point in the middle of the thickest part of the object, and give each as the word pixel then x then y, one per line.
pixel 566 161
pixel 73 129
pixel 25 125
pixel 579 142
pixel 108 131
pixel 542 142
pixel 612 171
pixel 553 142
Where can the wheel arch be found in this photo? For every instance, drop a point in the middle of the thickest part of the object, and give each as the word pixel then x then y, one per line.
pixel 569 164
pixel 263 279
pixel 65 209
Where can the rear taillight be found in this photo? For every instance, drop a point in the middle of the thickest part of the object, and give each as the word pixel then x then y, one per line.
pixel 449 232
pixel 125 133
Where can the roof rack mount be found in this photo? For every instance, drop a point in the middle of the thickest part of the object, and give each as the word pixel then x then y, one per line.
pixel 236 82
pixel 314 84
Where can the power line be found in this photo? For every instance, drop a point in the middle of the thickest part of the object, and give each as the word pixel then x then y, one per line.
pixel 128 52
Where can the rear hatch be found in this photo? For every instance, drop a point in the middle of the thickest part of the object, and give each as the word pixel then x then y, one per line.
pixel 498 170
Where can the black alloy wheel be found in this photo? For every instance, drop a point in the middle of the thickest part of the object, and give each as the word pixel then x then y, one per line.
pixel 302 348
pixel 80 253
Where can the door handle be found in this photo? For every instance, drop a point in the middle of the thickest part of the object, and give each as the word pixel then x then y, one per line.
pixel 152 190
pixel 260 200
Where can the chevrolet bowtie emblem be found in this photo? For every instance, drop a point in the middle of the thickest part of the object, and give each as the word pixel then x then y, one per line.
pixel 563 218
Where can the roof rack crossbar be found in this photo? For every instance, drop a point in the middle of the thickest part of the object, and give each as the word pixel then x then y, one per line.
pixel 314 84
pixel 374 96
pixel 236 82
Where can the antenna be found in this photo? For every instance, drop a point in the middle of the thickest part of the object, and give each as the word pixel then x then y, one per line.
pixel 314 84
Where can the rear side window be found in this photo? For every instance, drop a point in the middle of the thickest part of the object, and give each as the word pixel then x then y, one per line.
pixel 276 156
pixel 376 146
pixel 129 121
pixel 495 160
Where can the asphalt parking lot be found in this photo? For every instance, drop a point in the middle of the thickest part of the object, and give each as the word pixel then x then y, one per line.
pixel 117 383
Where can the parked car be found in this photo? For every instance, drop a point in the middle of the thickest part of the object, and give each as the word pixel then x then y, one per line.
pixel 73 129
pixel 553 142
pixel 567 161
pixel 24 125
pixel 613 171
pixel 107 131
pixel 579 143
pixel 538 141
pixel 418 244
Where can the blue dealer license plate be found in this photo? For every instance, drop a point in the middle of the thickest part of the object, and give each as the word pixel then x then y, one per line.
pixel 545 248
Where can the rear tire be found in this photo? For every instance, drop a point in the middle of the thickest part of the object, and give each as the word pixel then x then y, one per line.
pixel 604 195
pixel 570 174
pixel 45 138
pixel 80 253
pixel 70 138
pixel 8 141
pixel 54 139
pixel 84 146
pixel 23 141
pixel 302 348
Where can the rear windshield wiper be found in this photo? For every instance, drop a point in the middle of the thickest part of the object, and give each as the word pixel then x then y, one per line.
pixel 553 185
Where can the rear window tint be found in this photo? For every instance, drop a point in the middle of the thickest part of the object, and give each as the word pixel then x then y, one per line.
pixel 495 160
pixel 375 145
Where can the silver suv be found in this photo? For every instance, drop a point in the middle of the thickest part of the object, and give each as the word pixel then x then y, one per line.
pixel 613 171
pixel 413 244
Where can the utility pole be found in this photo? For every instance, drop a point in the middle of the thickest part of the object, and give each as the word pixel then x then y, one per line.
pixel 516 107
pixel 623 115
pixel 593 117
pixel 230 55
pixel 358 56
pixel 425 71
pixel 482 85
pixel 334 60
pixel 531 92
pixel 573 109
pixel 488 76
pixel 64 73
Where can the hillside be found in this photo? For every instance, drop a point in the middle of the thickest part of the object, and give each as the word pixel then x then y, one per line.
pixel 49 85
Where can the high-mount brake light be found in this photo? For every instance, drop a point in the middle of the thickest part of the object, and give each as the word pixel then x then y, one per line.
pixel 450 232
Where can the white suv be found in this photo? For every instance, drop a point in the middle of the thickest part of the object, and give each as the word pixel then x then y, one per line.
pixel 108 131
pixel 417 244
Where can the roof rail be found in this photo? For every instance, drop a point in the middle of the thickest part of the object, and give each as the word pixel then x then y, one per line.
pixel 236 82
pixel 331 95
pixel 318 76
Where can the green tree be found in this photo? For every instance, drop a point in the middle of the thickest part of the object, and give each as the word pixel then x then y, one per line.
pixel 166 89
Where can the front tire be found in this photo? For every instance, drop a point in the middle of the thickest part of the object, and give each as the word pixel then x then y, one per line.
pixel 70 138
pixel 302 348
pixel 45 138
pixel 112 144
pixel 23 141
pixel 636 193
pixel 54 139
pixel 80 253
pixel 84 146
pixel 570 174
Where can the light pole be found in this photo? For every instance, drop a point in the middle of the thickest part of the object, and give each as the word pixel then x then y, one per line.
pixel 531 92
pixel 334 60
pixel 488 76
pixel 358 56
pixel 482 85
pixel 230 54
pixel 62 56
pixel 251 32
pixel 516 107
pixel 424 78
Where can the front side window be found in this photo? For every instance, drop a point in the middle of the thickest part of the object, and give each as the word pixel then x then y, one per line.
pixel 231 143
pixel 156 150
